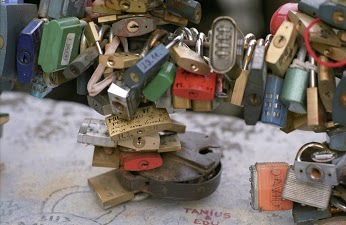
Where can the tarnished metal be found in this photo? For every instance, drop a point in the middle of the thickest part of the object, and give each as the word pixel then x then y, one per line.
pixel 185 173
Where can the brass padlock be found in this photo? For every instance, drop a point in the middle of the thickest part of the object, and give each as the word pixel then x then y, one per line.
pixel 315 110
pixel 282 49
pixel 326 84
pixel 240 83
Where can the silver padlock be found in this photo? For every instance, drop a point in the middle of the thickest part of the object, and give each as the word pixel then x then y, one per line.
pixel 312 194
pixel 319 167
pixel 95 132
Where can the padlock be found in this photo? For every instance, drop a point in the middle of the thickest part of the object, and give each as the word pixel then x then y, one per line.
pixel 194 87
pixel 336 138
pixel 106 157
pixel 196 161
pixel 319 33
pixel 161 82
pixel 240 83
pixel 124 101
pixel 326 84
pixel 282 48
pixel 339 102
pixel 293 93
pixel 294 121
pixel 316 113
pixel 203 105
pixel 149 65
pixel 130 6
pixel 81 63
pixel 281 15
pixel 119 60
pixel 108 190
pixel 188 9
pixel 146 121
pixel 140 161
pixel 311 194
pixel 339 191
pixel 189 60
pixel 338 204
pixel 169 143
pixel 317 168
pixel 27 51
pixel 335 53
pixel 58 9
pixel 267 181
pixel 39 88
pixel 59 44
pixel 255 86
pixel 92 36
pixel 95 132
pixel 274 111
pixel 100 103
pixel 166 101
pixel 333 13
pixel 145 143
pixel 303 213
pixel 98 6
pixel 10 27
pixel 133 27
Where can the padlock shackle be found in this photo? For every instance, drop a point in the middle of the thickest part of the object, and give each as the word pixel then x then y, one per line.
pixel 199 44
pixel 186 32
pixel 315 145
pixel 176 40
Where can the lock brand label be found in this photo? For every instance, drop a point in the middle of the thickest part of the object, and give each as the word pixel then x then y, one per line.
pixel 65 60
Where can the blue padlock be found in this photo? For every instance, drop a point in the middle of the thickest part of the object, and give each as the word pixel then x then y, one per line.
pixel 27 50
pixel 274 111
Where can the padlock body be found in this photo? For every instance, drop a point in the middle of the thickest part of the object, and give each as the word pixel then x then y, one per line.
pixel 161 82
pixel 193 86
pixel 274 111
pixel 144 70
pixel 329 12
pixel 293 93
pixel 27 51
pixel 59 44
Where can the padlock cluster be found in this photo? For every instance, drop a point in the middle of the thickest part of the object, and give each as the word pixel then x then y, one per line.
pixel 135 71
pixel 306 89
pixel 126 65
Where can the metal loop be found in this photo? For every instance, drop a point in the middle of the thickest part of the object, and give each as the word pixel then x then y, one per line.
pixel 316 146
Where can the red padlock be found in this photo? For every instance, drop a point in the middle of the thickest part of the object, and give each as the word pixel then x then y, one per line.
pixel 140 161
pixel 280 16
pixel 193 86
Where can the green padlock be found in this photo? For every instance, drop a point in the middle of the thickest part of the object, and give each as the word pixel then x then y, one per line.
pixel 162 81
pixel 59 44
pixel 293 93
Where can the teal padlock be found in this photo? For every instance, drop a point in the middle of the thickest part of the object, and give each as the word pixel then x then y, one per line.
pixel 59 44
pixel 161 82
pixel 293 94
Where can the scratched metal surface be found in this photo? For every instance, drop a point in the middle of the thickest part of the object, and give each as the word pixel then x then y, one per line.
pixel 44 170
